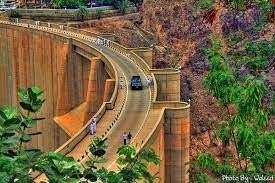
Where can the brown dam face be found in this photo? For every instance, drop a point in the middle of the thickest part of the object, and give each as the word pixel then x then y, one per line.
pixel 73 85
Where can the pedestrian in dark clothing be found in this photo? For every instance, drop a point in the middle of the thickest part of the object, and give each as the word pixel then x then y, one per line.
pixel 129 137
pixel 125 136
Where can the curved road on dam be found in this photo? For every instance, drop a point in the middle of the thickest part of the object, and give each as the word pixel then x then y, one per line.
pixel 134 112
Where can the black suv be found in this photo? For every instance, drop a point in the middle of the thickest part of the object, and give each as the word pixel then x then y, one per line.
pixel 136 83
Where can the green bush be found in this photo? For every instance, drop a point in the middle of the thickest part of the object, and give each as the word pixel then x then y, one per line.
pixel 15 14
pixel 99 13
pixel 123 5
pixel 82 12
pixel 69 3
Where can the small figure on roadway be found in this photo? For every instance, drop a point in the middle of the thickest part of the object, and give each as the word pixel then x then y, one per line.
pixel 129 137
pixel 94 120
pixel 125 136
pixel 91 128
pixel 148 82
pixel 121 83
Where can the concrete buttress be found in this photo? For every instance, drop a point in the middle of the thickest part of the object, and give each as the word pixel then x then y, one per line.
pixel 177 133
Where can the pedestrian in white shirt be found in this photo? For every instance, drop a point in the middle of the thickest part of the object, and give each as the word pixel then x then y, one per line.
pixel 97 42
pixel 151 80
pixel 91 128
pixel 108 42
pixel 148 82
pixel 121 83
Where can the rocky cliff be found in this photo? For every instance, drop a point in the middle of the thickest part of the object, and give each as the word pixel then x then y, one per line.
pixel 180 34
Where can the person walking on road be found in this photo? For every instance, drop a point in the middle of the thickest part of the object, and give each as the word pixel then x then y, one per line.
pixel 108 43
pixel 125 136
pixel 129 137
pixel 151 80
pixel 101 42
pixel 148 82
pixel 94 120
pixel 121 83
pixel 91 128
pixel 97 42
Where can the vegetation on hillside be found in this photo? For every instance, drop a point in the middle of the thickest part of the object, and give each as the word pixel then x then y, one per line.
pixel 238 79
pixel 69 3
pixel 17 163
pixel 82 12
pixel 77 3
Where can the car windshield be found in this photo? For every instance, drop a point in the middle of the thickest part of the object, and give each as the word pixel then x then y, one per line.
pixel 136 78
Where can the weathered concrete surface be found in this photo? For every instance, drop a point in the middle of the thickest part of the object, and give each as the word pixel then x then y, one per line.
pixel 31 59
pixel 34 58
pixel 145 54
pixel 177 131
pixel 93 92
pixel 96 87
pixel 168 86
pixel 109 88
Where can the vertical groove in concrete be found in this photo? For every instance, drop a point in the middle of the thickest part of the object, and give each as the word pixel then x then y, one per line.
pixel 108 89
pixel 92 89
pixel 95 87
pixel 62 92
pixel 29 58
pixel 162 153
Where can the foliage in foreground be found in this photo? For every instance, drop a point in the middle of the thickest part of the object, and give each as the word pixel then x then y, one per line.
pixel 16 162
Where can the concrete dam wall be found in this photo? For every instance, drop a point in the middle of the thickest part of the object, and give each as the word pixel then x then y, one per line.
pixel 70 82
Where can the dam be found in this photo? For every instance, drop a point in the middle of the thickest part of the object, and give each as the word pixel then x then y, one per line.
pixel 80 80
pixel 70 81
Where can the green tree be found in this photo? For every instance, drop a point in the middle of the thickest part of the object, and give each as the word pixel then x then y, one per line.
pixel 82 12
pixel 236 6
pixel 99 12
pixel 100 2
pixel 16 162
pixel 246 129
pixel 137 3
pixel 123 5
pixel 69 3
